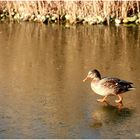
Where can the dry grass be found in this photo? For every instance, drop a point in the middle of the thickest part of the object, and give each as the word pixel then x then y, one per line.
pixel 119 9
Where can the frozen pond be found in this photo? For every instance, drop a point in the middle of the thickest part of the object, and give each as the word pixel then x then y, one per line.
pixel 41 90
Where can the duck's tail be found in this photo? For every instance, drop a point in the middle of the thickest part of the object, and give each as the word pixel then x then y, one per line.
pixel 131 87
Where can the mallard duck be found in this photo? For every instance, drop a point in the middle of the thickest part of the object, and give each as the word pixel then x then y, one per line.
pixel 108 86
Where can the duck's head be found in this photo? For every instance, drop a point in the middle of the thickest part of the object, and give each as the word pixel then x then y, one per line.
pixel 93 74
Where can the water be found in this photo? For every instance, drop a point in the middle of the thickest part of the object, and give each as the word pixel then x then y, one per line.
pixel 41 90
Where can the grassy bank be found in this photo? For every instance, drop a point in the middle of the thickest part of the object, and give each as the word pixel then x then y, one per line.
pixel 73 12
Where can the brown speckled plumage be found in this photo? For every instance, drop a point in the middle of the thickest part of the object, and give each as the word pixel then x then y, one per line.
pixel 119 85
pixel 108 85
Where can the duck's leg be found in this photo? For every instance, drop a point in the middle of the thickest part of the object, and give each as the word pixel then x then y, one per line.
pixel 120 105
pixel 102 100
pixel 120 99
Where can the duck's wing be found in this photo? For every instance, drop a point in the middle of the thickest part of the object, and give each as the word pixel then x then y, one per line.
pixel 109 81
pixel 125 82
pixel 117 84
pixel 114 80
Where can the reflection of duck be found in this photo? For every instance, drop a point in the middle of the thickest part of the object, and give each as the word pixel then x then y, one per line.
pixel 108 85
pixel 109 113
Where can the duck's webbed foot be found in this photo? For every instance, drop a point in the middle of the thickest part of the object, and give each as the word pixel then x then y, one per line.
pixel 102 100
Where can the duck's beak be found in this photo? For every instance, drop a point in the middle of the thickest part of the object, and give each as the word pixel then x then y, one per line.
pixel 85 79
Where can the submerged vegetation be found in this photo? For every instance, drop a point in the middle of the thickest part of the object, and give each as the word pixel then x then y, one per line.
pixel 72 12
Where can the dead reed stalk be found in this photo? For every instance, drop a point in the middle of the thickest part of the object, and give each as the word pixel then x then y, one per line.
pixel 103 8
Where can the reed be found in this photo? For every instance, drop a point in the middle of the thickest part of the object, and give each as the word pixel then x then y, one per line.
pixel 101 9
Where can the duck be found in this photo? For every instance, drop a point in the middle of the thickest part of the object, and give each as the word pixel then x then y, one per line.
pixel 108 86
